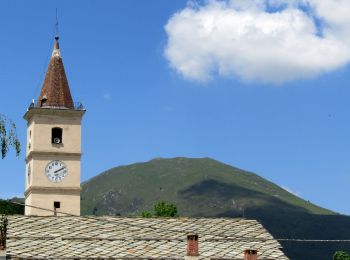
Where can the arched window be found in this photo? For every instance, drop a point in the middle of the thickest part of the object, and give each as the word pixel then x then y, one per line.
pixel 56 136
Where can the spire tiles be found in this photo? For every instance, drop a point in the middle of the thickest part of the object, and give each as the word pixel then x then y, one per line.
pixel 55 92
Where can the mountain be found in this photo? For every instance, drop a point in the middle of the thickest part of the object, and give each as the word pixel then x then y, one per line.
pixel 207 188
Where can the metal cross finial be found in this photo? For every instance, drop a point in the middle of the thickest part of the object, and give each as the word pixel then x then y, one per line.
pixel 56 26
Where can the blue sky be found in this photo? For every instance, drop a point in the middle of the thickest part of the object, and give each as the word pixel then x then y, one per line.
pixel 284 118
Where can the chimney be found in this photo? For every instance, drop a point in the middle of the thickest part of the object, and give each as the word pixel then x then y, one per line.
pixel 192 247
pixel 250 254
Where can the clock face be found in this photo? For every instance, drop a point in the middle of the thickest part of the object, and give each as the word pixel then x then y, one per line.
pixel 56 171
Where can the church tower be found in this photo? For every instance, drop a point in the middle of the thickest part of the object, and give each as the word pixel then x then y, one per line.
pixel 53 146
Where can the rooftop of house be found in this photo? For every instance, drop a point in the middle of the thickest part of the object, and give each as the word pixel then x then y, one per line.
pixel 136 238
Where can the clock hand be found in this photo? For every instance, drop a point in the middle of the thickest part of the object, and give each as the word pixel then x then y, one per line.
pixel 59 170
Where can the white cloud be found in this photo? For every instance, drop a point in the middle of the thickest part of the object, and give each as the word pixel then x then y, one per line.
pixel 241 38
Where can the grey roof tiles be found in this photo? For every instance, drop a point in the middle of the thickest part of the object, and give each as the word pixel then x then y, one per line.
pixel 136 238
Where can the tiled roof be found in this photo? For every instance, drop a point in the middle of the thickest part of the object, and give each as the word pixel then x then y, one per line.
pixel 55 88
pixel 136 238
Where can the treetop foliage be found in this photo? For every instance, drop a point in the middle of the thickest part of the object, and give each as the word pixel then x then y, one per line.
pixel 161 209
pixel 146 214
pixel 341 255
pixel 8 136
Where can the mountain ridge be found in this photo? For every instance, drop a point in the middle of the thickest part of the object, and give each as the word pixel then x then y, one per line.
pixel 204 187
pixel 247 178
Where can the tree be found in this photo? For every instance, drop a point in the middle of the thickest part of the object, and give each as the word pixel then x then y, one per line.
pixel 146 214
pixel 8 136
pixel 3 231
pixel 7 207
pixel 341 255
pixel 163 209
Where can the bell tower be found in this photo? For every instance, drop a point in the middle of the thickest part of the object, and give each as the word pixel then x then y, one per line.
pixel 53 151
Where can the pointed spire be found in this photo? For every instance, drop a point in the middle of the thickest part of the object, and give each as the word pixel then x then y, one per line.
pixel 55 91
pixel 56 48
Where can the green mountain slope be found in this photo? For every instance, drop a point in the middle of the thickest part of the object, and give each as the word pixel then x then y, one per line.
pixel 205 187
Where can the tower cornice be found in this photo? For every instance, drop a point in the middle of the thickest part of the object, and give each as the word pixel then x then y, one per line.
pixel 53 112
pixel 44 153
pixel 57 190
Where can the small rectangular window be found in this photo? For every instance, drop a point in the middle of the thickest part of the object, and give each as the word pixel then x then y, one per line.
pixel 56 136
pixel 57 204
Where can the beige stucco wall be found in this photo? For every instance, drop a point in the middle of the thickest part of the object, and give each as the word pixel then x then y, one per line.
pixel 40 191
pixel 39 133
pixel 69 200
